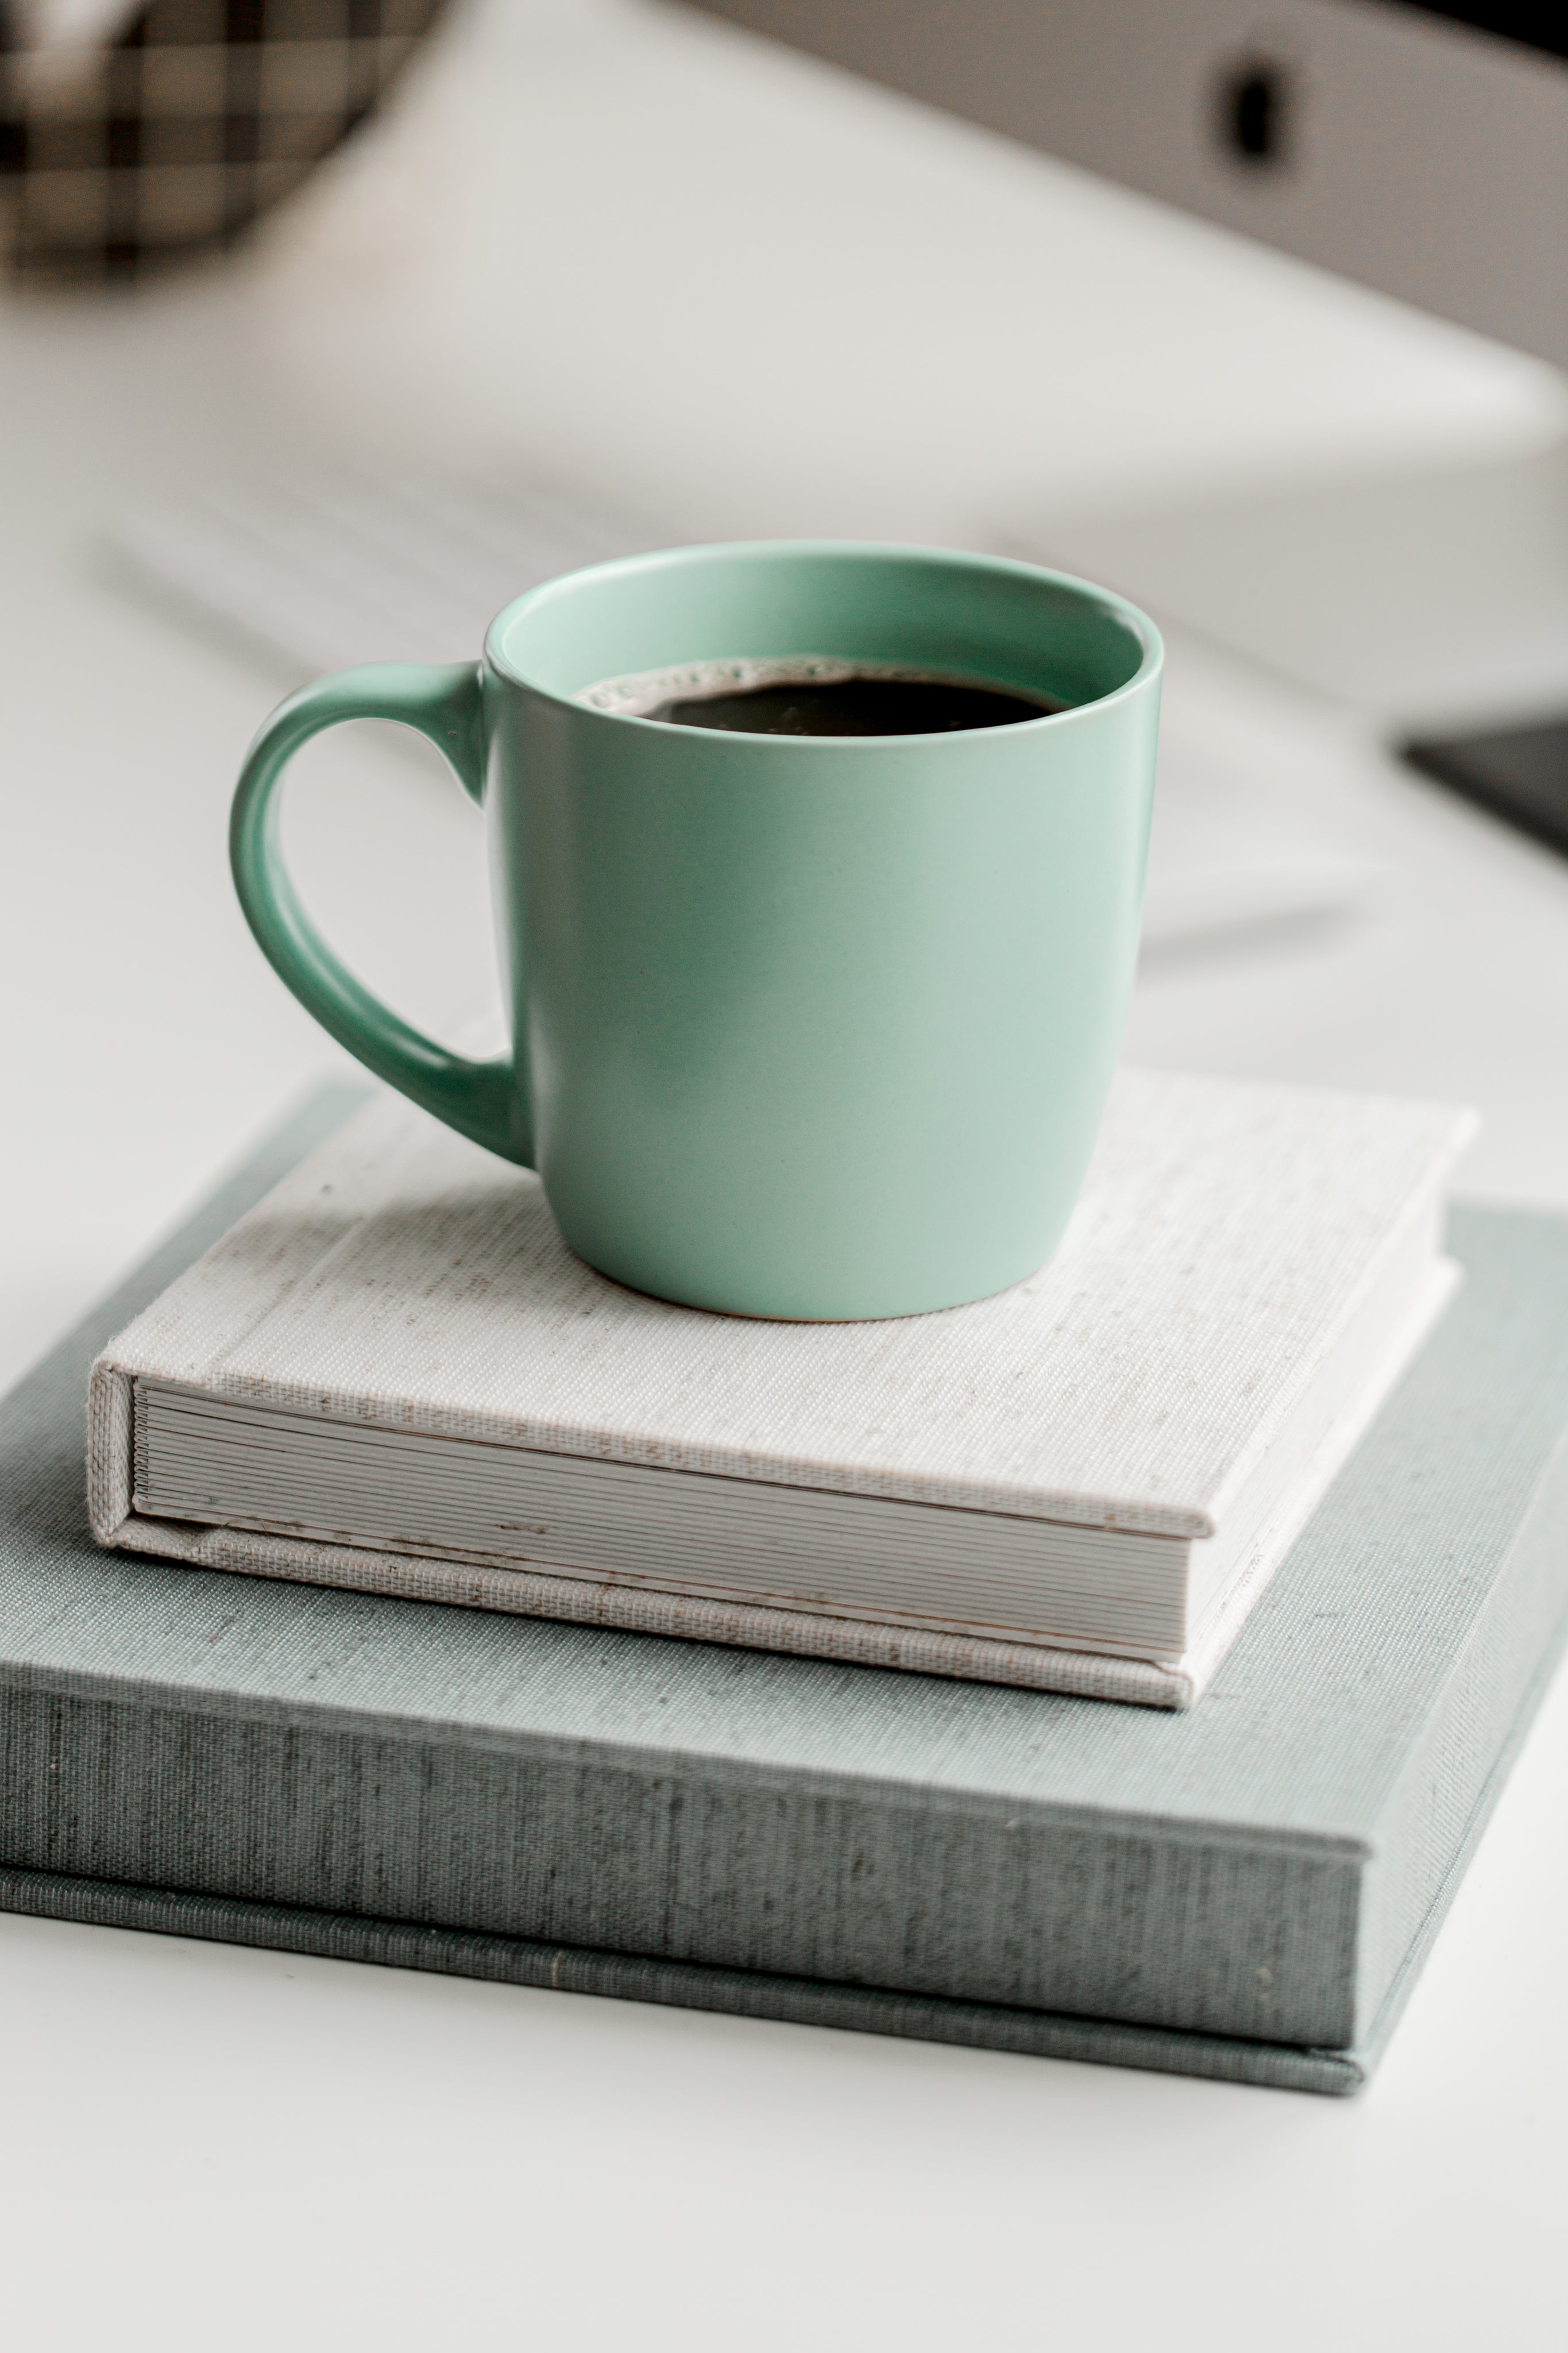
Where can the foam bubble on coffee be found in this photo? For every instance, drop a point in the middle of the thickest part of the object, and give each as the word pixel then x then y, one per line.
pixel 642 691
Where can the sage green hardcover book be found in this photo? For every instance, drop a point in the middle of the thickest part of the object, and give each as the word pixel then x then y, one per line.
pixel 1244 1891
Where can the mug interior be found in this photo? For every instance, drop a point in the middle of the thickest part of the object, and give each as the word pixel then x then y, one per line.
pixel 972 615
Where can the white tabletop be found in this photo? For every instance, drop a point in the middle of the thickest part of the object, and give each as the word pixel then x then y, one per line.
pixel 205 2145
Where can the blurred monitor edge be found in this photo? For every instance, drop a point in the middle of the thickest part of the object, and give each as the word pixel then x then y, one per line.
pixel 1422 151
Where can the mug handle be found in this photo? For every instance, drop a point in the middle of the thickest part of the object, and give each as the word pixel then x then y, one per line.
pixel 481 1100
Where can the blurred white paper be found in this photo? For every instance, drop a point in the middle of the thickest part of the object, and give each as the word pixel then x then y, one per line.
pixel 314 572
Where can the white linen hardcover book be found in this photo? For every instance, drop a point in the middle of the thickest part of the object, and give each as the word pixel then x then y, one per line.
pixel 394 1374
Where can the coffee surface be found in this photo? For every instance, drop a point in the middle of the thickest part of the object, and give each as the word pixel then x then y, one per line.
pixel 853 706
pixel 813 694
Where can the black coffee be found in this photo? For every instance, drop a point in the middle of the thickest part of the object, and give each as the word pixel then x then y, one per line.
pixel 853 706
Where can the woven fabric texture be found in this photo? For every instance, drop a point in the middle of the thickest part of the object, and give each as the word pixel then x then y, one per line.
pixel 1254 1872
pixel 580 1601
pixel 1225 1235
pixel 1233 1250
pixel 735 1993
pixel 173 137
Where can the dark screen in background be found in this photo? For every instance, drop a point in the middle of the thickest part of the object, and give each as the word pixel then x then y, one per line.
pixel 1538 24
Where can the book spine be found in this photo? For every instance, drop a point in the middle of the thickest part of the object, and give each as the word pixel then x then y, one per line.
pixel 111 1450
pixel 1452 1775
pixel 926 1893
pixel 627 1976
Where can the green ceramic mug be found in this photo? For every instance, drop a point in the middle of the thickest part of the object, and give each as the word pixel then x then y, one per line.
pixel 805 1027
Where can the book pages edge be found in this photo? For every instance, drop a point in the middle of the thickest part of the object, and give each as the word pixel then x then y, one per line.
pixel 531 1593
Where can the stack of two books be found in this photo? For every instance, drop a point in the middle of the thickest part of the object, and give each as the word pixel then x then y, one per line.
pixel 1234 1435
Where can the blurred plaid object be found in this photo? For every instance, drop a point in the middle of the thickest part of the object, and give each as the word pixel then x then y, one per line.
pixel 171 139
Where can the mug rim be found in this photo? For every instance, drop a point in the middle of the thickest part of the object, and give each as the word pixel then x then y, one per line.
pixel 895 551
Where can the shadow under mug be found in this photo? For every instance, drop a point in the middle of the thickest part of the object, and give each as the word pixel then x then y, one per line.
pixel 815 1028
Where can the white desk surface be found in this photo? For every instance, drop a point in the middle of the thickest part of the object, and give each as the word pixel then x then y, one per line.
pixel 205 2146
